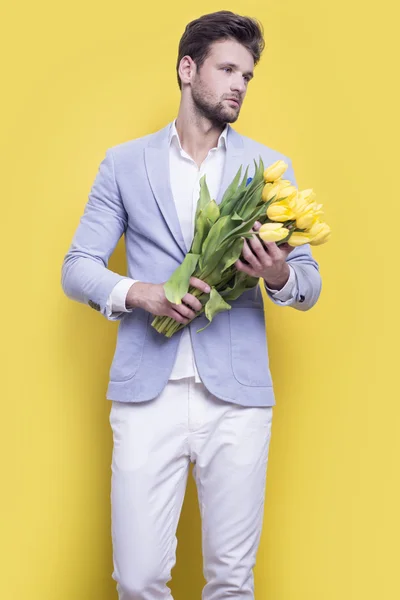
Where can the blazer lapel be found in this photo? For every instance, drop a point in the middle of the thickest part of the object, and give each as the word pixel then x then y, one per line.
pixel 156 156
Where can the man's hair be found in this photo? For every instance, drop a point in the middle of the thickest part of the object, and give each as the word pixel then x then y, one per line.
pixel 201 33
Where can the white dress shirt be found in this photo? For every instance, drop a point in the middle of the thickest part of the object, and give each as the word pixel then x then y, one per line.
pixel 185 178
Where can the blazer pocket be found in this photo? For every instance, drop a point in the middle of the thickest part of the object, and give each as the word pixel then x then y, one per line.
pixel 249 352
pixel 130 344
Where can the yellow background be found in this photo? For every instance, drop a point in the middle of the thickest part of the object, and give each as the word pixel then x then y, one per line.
pixel 79 77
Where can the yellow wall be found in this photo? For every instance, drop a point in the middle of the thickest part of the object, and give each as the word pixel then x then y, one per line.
pixel 83 76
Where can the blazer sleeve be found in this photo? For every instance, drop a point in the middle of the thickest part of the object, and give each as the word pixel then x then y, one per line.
pixel 84 274
pixel 306 270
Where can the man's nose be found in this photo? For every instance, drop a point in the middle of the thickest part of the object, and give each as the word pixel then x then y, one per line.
pixel 238 85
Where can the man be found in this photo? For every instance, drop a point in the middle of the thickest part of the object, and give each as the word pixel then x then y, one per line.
pixel 205 398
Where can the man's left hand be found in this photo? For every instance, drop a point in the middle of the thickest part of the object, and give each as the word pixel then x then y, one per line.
pixel 266 260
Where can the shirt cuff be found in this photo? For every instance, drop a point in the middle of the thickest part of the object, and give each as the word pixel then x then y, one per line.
pixel 116 300
pixel 287 292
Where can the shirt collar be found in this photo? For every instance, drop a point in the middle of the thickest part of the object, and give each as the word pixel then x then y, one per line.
pixel 173 134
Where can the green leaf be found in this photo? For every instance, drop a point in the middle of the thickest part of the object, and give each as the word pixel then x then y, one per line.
pixel 253 191
pixel 231 202
pixel 236 217
pixel 205 218
pixel 204 197
pixel 252 201
pixel 238 230
pixel 243 228
pixel 231 188
pixel 213 306
pixel 178 284
pixel 198 238
pixel 203 226
pixel 242 283
pixel 213 240
pixel 231 255
pixel 211 211
pixel 220 237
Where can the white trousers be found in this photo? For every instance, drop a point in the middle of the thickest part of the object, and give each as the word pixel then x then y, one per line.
pixel 153 445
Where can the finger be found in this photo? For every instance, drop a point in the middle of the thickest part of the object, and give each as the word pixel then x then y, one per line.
pixel 185 311
pixel 192 301
pixel 199 284
pixel 249 256
pixel 274 251
pixel 260 251
pixel 256 225
pixel 241 266
pixel 178 317
pixel 286 248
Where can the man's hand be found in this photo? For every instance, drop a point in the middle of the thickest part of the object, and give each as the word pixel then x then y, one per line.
pixel 151 297
pixel 266 260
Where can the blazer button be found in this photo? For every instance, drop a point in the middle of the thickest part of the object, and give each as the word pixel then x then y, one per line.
pixel 94 305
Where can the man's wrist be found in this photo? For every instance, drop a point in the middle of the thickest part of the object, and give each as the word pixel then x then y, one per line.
pixel 277 283
pixel 134 295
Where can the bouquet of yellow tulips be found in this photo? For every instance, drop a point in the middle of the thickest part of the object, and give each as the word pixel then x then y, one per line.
pixel 286 214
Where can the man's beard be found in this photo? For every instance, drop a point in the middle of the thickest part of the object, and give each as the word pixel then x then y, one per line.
pixel 218 113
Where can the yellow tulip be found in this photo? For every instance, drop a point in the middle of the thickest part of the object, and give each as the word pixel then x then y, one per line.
pixel 269 191
pixel 307 211
pixel 318 210
pixel 317 227
pixel 320 240
pixel 295 200
pixel 281 188
pixel 280 211
pixel 272 232
pixel 274 171
pixel 307 195
pixel 284 182
pixel 299 238
pixel 309 217
pixel 320 232
pixel 304 201
pixel 305 219
pixel 285 191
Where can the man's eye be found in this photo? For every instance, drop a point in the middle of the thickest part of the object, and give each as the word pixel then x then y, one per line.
pixel 230 69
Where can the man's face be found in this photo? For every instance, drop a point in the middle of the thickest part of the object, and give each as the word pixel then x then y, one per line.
pixel 225 74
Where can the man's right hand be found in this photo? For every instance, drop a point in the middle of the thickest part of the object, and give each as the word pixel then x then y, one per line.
pixel 151 297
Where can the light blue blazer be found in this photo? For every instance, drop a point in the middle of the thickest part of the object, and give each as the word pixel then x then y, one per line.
pixel 131 195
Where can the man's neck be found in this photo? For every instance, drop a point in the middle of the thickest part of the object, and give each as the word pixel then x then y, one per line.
pixel 197 138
